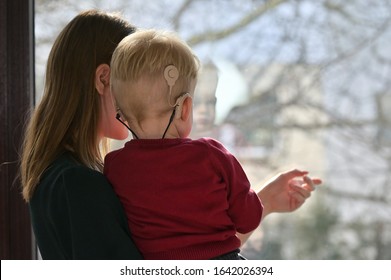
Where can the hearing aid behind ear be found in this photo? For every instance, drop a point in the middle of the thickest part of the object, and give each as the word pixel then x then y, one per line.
pixel 179 104
pixel 171 74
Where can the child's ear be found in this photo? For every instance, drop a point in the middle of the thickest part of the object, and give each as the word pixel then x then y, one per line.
pixel 187 107
pixel 102 78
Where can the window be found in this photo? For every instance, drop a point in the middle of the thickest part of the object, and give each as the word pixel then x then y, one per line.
pixel 287 84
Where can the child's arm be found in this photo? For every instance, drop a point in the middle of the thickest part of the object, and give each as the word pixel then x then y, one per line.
pixel 285 192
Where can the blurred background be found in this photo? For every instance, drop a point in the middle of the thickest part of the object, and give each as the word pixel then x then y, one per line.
pixel 284 84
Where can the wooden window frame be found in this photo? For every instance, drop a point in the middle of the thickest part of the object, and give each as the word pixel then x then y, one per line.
pixel 17 94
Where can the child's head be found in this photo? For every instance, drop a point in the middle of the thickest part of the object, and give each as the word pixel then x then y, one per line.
pixel 150 71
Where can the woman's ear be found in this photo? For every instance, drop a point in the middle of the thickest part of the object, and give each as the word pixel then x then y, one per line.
pixel 102 78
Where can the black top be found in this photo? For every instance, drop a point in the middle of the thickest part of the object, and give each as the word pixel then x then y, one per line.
pixel 76 215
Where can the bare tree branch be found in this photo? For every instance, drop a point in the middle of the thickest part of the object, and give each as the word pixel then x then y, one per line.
pixel 356 196
pixel 178 15
pixel 246 20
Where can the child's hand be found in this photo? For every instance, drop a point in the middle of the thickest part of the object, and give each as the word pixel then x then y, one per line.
pixel 287 191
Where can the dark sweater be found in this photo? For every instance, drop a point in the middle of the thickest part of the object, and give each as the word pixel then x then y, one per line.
pixel 76 215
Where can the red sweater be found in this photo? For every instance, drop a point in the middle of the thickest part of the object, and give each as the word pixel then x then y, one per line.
pixel 184 199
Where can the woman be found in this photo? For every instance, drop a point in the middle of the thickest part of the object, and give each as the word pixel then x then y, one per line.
pixel 74 211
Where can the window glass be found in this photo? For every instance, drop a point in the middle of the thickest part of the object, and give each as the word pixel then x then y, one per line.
pixel 285 84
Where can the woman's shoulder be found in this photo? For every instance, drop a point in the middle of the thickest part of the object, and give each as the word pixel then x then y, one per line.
pixel 68 166
pixel 65 174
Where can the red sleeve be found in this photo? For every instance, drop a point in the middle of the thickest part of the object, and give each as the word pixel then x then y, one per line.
pixel 245 208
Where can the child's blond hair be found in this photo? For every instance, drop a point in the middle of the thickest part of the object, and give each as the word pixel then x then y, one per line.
pixel 137 70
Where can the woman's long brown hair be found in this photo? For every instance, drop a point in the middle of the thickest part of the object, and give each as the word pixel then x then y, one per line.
pixel 67 117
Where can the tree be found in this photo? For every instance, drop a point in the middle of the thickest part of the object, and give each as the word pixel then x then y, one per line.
pixel 317 78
